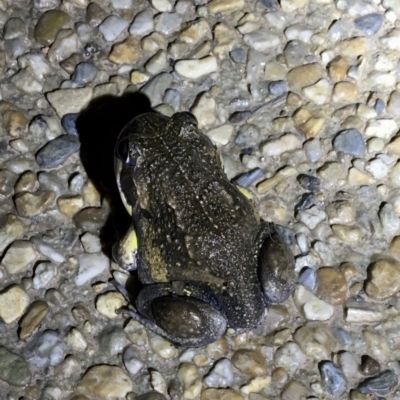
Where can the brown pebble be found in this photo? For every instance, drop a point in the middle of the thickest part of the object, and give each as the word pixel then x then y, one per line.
pixel 249 362
pixel 220 394
pixel 305 75
pixel 344 92
pixel 383 279
pixel 32 318
pixel 369 366
pixel 332 285
pixel 127 52
pixel 32 204
pixel 15 123
pixel 337 68
pixel 27 182
pixel 394 248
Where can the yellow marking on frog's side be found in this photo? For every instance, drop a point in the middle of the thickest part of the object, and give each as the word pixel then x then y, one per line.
pixel 246 192
pixel 128 248
pixel 118 168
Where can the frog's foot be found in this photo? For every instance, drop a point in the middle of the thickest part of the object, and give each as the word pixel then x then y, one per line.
pixel 124 252
pixel 191 320
pixel 276 263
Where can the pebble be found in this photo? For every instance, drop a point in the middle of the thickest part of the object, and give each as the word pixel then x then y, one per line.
pixel 389 220
pixel 67 101
pixel 281 176
pixel 84 73
pixel 249 362
pixel 136 333
pixel 351 142
pixel 318 93
pixel 294 390
pixel 309 182
pixel 383 276
pixel 333 379
pixel 311 217
pixel 289 356
pixel 26 83
pixel 337 69
pixel 162 347
pixel 66 44
pixel 7 181
pixel 47 250
pixel 105 382
pixel 369 24
pixel 11 228
pixel 126 52
pixel 19 256
pixel 142 24
pixel 32 319
pixel 221 135
pixel 70 205
pixel 277 88
pixel 369 366
pixel 151 396
pixel 57 151
pixel 381 128
pixel 377 345
pixel 256 385
pixel 311 306
pixel 261 40
pixel 46 349
pixel 48 26
pixel 285 143
pixel 112 27
pixel 308 279
pixel 344 92
pixel 75 340
pixel 332 285
pixel 108 303
pixel 225 6
pixel 90 266
pixel 239 116
pixel 15 123
pixel 348 363
pixel 167 23
pixel 27 182
pixel 380 384
pixel 304 75
pixel 221 375
pixel 32 204
pixel 156 88
pixel 247 179
pixel 131 362
pixel 157 63
pixel 205 111
pixel 44 274
pixel 13 368
pixel 195 69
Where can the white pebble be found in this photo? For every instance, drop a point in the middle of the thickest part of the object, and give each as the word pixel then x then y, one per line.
pixel 285 143
pixel 142 24
pixel 289 356
pixel 389 220
pixel 221 135
pixel 131 362
pixel 298 32
pixel 311 217
pixel 194 69
pixel 261 40
pixel 311 306
pixel 91 265
pixel 162 5
pixel 35 63
pixel 319 93
pixel 48 251
pixel 221 375
pixel 381 128
pixel 377 168
pixel 44 273
pixel 162 347
pixel 91 243
pixel 122 4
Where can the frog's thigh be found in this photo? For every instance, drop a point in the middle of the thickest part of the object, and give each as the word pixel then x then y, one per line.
pixel 183 319
pixel 276 264
pixel 125 251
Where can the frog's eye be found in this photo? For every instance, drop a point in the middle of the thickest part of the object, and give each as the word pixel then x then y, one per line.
pixel 122 151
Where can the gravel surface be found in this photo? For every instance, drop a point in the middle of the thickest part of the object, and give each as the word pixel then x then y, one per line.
pixel 303 100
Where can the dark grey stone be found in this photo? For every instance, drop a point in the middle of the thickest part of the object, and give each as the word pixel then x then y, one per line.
pixel 380 384
pixel 308 278
pixel 277 88
pixel 332 378
pixel 151 396
pixel 309 182
pixel 85 72
pixel 306 201
pixel 239 116
pixel 13 368
pixel 369 24
pixel 68 122
pixel 238 55
pixel 57 151
pixel 351 142
pixel 270 4
pixel 247 179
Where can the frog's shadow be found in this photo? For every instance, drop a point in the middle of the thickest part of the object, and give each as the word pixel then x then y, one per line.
pixel 99 126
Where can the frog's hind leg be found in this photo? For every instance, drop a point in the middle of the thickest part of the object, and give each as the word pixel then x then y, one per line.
pixel 275 263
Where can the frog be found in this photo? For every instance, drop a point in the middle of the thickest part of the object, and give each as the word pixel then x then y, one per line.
pixel 205 259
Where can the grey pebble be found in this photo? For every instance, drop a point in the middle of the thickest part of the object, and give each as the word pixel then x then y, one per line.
pixel 277 88
pixel 343 336
pixel 379 106
pixel 68 122
pixel 247 136
pixel 14 28
pixel 167 23
pixel 313 150
pixel 332 377
pixel 369 24
pixel 113 340
pixel 351 142
pixel 85 72
pixel 46 349
pixel 151 396
pixel 7 182
pixel 238 55
pixel 13 368
pixel 271 4
pixel 239 116
pixel 308 278
pixel 380 384
pixel 173 98
pixel 156 88
pixel 309 182
pixel 55 152
pixel 247 179
pixel 295 53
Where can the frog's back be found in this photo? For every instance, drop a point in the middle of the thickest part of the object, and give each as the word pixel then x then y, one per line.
pixel 193 224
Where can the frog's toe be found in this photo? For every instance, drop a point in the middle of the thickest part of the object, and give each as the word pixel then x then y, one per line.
pixel 276 267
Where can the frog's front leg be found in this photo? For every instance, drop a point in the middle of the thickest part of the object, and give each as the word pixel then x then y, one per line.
pixel 276 263
pixel 125 251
